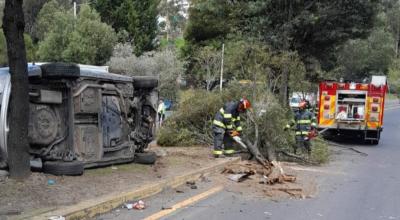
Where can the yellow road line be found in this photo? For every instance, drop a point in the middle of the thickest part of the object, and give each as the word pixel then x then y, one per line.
pixel 185 203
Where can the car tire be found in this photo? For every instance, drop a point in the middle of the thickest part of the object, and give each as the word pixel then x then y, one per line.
pixel 145 82
pixel 60 70
pixel 73 168
pixel 145 158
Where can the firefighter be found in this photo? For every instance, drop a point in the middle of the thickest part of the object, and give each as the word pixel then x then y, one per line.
pixel 304 124
pixel 226 125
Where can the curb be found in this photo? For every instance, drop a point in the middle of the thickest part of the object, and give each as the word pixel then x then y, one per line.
pixel 93 207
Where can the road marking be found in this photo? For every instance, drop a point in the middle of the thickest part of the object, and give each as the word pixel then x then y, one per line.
pixel 185 203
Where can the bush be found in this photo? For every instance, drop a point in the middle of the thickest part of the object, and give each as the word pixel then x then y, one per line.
pixel 319 151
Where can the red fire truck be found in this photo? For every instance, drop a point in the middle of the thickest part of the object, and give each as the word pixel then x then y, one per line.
pixel 353 109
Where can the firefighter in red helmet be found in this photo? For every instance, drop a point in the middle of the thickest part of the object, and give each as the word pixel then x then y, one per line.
pixel 304 123
pixel 226 125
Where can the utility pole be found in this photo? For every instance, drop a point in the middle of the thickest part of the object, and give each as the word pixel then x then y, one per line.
pixel 74 9
pixel 222 68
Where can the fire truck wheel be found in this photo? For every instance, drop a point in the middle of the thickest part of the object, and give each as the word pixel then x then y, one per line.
pixel 375 142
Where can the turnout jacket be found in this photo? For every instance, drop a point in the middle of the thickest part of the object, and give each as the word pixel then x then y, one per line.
pixel 228 117
pixel 303 122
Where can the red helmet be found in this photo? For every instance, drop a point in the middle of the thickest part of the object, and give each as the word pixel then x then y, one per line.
pixel 244 104
pixel 303 104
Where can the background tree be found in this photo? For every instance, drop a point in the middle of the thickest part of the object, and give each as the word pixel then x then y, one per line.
pixel 209 60
pixel 18 147
pixel 312 28
pixel 137 17
pixel 164 64
pixel 364 57
pixel 393 19
pixel 82 40
pixel 31 11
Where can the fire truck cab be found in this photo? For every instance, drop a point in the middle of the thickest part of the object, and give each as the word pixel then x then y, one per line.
pixel 353 109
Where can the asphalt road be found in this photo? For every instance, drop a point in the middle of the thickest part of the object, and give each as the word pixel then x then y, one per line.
pixel 353 186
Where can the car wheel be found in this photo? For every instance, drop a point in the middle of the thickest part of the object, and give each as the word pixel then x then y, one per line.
pixel 60 70
pixel 145 158
pixel 73 168
pixel 145 82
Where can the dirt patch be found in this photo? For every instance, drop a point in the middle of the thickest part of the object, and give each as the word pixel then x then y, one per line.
pixel 43 192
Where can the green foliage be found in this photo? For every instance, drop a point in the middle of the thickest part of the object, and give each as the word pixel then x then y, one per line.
pixel 164 64
pixel 3 49
pixel 208 20
pixel 393 23
pixel 362 58
pixel 82 40
pixel 394 77
pixel 30 49
pixel 312 29
pixel 137 17
pixel 92 41
pixel 1 12
pixel 194 115
pixel 31 11
pixel 320 151
pixel 175 21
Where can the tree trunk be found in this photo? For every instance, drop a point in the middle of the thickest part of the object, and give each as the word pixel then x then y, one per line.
pixel 284 86
pixel 18 147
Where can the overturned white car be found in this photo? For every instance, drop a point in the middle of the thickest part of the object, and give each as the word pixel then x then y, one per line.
pixel 83 116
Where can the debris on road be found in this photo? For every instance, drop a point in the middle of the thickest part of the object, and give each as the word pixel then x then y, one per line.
pixel 191 184
pixel 51 182
pixel 239 177
pixel 241 171
pixel 295 192
pixel 139 205
pixel 165 208
pixel 129 206
pixel 56 218
pixel 160 152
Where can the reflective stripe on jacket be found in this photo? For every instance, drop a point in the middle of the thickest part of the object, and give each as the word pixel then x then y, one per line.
pixel 228 117
pixel 303 122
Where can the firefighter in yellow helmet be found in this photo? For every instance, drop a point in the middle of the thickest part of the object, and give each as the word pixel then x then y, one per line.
pixel 226 125
pixel 304 122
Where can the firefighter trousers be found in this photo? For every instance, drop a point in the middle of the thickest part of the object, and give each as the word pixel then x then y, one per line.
pixel 223 142
pixel 302 142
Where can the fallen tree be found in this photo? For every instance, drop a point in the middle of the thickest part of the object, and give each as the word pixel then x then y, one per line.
pixel 191 123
